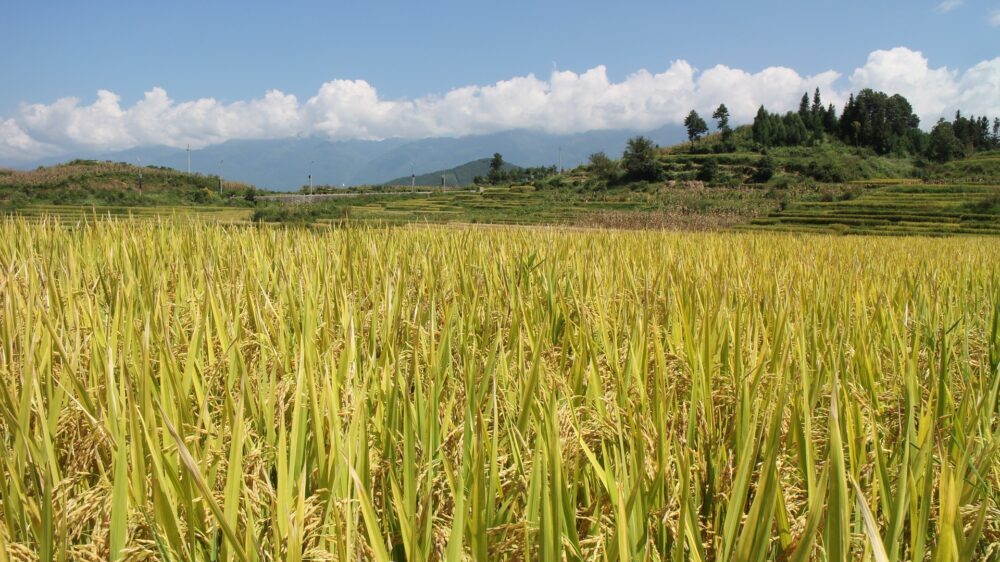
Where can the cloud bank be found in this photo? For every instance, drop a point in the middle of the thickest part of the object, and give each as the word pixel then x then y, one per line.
pixel 567 102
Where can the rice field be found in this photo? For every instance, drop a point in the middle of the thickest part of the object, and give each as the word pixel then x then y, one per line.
pixel 895 209
pixel 183 390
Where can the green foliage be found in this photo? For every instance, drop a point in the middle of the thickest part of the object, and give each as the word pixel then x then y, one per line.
pixel 881 122
pixel 709 171
pixel 943 145
pixel 765 170
pixel 695 125
pixel 721 115
pixel 602 167
pixel 496 168
pixel 639 160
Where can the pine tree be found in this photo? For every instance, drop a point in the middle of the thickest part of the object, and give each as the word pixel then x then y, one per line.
pixel 696 126
pixel 721 116
pixel 830 120
pixel 762 131
pixel 804 106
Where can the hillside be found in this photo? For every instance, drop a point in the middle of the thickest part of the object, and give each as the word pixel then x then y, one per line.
pixel 459 175
pixel 91 182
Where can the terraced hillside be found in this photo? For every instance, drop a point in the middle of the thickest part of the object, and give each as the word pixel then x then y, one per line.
pixel 901 209
pixel 658 206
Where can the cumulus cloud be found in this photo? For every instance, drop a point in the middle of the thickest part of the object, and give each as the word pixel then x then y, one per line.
pixel 565 102
pixel 934 92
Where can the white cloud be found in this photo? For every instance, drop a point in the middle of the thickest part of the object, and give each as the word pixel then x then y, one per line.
pixel 933 92
pixel 949 5
pixel 564 103
pixel 994 18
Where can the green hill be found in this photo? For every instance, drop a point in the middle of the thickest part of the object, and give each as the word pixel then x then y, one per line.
pixel 92 182
pixel 459 175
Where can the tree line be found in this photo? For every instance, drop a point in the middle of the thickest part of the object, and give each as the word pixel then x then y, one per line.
pixel 872 119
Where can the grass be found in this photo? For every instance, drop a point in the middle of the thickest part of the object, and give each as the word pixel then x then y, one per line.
pixel 181 390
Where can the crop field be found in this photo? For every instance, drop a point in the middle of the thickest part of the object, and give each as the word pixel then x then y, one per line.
pixel 69 214
pixel 896 209
pixel 527 206
pixel 183 390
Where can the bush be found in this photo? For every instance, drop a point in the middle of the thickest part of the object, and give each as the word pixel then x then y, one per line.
pixel 709 171
pixel 765 170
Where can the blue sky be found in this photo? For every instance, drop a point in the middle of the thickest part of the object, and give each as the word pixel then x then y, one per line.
pixel 232 52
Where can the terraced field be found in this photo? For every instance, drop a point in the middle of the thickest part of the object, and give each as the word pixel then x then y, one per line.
pixel 560 207
pixel 906 209
pixel 75 213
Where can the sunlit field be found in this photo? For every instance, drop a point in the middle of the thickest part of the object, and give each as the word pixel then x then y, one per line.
pixel 173 389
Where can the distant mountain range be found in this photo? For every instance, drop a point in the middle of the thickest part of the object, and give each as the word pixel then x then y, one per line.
pixel 284 164
pixel 459 175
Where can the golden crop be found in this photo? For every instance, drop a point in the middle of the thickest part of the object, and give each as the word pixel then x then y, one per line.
pixel 185 391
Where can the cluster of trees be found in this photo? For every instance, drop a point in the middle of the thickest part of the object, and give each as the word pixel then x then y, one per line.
pixel 697 127
pixel 881 122
pixel 638 163
pixel 963 136
pixel 810 123
pixel 876 120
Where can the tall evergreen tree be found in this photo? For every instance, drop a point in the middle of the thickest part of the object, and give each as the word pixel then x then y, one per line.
pixel 696 126
pixel 804 106
pixel 762 129
pixel 830 120
pixel 721 117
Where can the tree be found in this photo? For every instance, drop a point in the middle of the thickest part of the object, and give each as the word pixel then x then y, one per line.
pixel 709 171
pixel 763 131
pixel 721 116
pixel 603 167
pixel 830 120
pixel 639 160
pixel 804 106
pixel 943 145
pixel 496 168
pixel 765 169
pixel 696 126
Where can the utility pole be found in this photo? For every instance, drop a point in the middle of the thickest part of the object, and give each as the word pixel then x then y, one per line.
pixel 560 159
pixel 189 159
pixel 310 178
pixel 220 177
pixel 139 161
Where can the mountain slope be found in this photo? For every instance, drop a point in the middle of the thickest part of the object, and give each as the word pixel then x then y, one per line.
pixel 459 175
